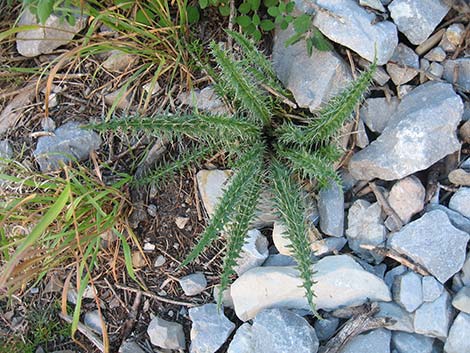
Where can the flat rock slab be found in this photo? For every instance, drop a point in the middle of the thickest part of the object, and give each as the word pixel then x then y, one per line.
pixel 331 209
pixel 340 281
pixel 458 341
pixel 433 242
pixel 166 334
pixel 460 202
pixel 314 79
pixel 376 112
pixel 421 132
pixel 352 26
pixel 210 328
pixel 417 19
pixel 434 319
pixel 69 142
pixel 43 40
pixel 375 341
pixel 407 342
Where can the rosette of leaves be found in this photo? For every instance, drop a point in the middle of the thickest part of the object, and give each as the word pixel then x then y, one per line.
pixel 265 146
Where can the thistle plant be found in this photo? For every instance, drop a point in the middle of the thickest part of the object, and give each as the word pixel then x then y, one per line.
pixel 266 148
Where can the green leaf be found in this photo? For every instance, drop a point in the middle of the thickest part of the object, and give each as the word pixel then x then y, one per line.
pixel 224 10
pixel 288 18
pixel 70 19
pixel 319 41
pixel 124 4
pixel 290 7
pixel 144 16
pixel 274 11
pixel 279 19
pixel 294 39
pixel 203 3
pixel 302 23
pixel 255 4
pixel 309 44
pixel 257 34
pixel 193 14
pixel 244 8
pixel 44 10
pixel 256 20
pixel 250 29
pixel 282 7
pixel 267 25
pixel 244 21
pixel 284 24
pixel 270 3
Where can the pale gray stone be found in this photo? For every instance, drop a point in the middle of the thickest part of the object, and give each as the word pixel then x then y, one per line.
pixel 352 26
pixel 433 319
pixel 340 281
pixel 409 342
pixel 227 300
pixel 403 65
pixel 69 142
pixel 365 227
pixel 403 320
pixel 462 66
pixel 242 341
pixel 331 208
pixel 326 328
pixel 166 334
pixel 205 99
pixel 376 112
pixel 55 33
pixel 432 289
pixel 460 202
pixel 407 291
pixel 458 341
pixel 462 300
pixel 417 19
pixel 6 152
pixel 466 271
pixel 436 70
pixel 280 330
pixel 119 60
pixel 374 4
pixel 403 90
pixel 407 197
pixel 436 54
pixel 130 347
pixel 375 341
pixel 393 273
pixel 455 33
pixel 279 260
pixel 280 239
pixel 328 245
pixel 421 132
pixel 457 220
pixel 210 328
pixel 433 242
pixel 254 252
pixel 314 79
pixel 92 320
pixel 193 284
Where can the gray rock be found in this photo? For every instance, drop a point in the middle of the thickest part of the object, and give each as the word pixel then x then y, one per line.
pixel 352 26
pixel 130 347
pixel 407 197
pixel 373 4
pixel 55 33
pixel 365 227
pixel 403 65
pixel 457 220
pixel 280 330
pixel 462 300
pixel 407 291
pixel 458 341
pixel 455 33
pixel 403 90
pixel 328 245
pixel 466 271
pixel 193 284
pixel 417 19
pixel 433 242
pixel 205 99
pixel 280 239
pixel 209 330
pixel 326 328
pixel 409 342
pixel 6 152
pixel 166 334
pixel 462 66
pixel 433 319
pixel 226 297
pixel 70 142
pixel 432 289
pixel 119 60
pixel 403 320
pixel 436 54
pixel 421 132
pixel 436 71
pixel 93 321
pixel 393 273
pixel 375 341
pixel 331 208
pixel 279 260
pixel 242 341
pixel 314 79
pixel 254 252
pixel 376 112
pixel 460 202
pixel 340 281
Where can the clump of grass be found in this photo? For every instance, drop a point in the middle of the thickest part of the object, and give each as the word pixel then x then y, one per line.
pixel 49 221
pixel 261 140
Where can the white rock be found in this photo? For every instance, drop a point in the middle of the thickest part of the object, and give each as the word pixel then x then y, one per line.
pixel 254 252
pixel 455 33
pixel 193 284
pixel 458 341
pixel 93 321
pixel 460 202
pixel 55 33
pixel 242 341
pixel 408 291
pixel 226 297
pixel 433 319
pixel 280 240
pixel 407 197
pixel 166 334
pixel 340 281
pixel 159 261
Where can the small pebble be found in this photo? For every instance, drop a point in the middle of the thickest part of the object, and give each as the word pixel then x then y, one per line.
pixel 181 222
pixel 160 261
pixel 152 210
pixel 436 54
